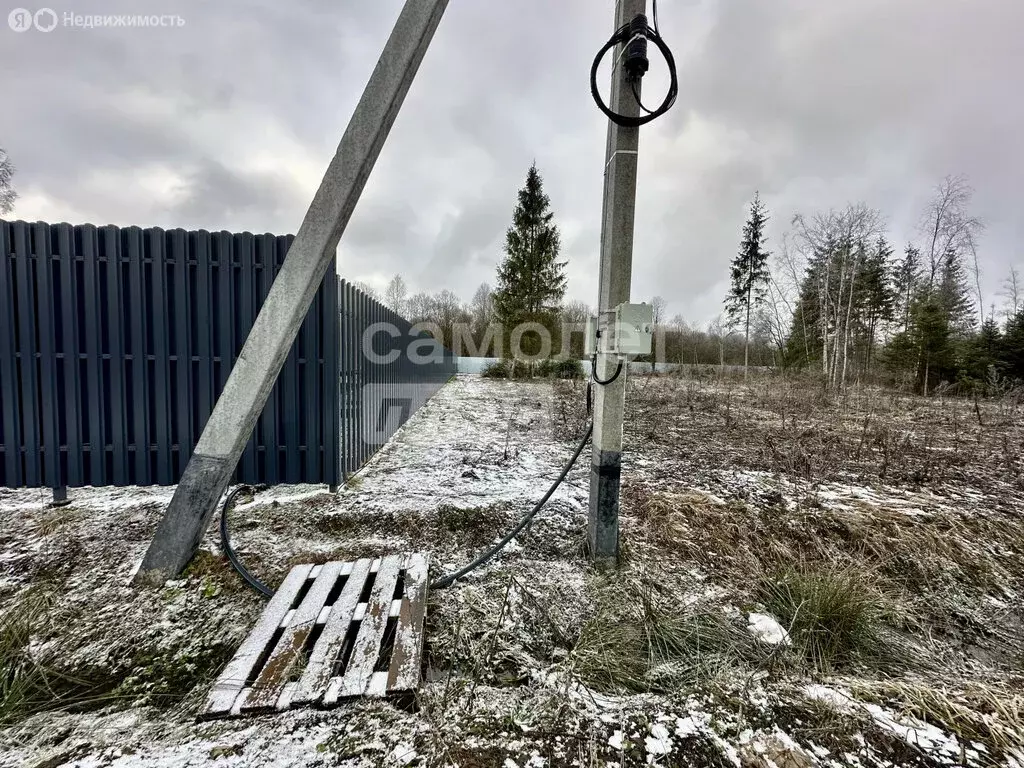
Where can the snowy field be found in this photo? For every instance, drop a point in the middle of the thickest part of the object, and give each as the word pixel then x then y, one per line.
pixel 735 498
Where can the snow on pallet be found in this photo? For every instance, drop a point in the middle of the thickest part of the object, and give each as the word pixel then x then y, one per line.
pixel 331 632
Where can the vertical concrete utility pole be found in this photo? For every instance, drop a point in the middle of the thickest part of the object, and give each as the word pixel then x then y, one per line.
pixel 254 375
pixel 616 268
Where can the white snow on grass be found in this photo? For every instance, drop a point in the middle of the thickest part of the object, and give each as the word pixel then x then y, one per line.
pixel 477 446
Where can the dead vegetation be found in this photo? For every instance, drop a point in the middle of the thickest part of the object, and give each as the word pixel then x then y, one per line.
pixel 793 426
pixel 835 615
pixel 641 640
pixel 881 531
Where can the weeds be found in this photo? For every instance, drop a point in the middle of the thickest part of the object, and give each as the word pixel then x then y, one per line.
pixel 935 558
pixel 834 615
pixel 25 684
pixel 28 683
pixel 638 642
pixel 992 715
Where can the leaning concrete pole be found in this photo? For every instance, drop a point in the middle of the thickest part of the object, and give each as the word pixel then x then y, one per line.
pixel 252 379
pixel 615 274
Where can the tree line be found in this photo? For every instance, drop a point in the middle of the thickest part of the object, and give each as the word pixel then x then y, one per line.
pixel 837 298
pixel 840 300
pixel 529 294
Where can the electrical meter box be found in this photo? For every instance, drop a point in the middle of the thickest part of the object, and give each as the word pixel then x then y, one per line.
pixel 631 331
pixel 590 337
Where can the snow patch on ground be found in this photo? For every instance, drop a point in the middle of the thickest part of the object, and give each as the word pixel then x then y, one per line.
pixel 767 629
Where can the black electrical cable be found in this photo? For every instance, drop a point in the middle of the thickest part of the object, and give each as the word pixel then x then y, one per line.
pixel 636 95
pixel 451 578
pixel 444 581
pixel 624 36
pixel 604 382
pixel 225 544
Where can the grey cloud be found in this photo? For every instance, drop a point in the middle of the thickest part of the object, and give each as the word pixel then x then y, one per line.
pixel 812 103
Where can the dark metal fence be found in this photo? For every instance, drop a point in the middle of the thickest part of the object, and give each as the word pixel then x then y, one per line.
pixel 115 344
pixel 388 370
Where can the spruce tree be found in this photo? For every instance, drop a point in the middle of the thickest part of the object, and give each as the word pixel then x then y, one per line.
pixel 1012 352
pixel 906 278
pixel 749 275
pixel 982 354
pixel 876 302
pixel 531 279
pixel 933 339
pixel 954 294
pixel 7 193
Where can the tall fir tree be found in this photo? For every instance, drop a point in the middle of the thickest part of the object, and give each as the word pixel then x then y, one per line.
pixel 876 299
pixel 749 274
pixel 954 294
pixel 906 279
pixel 1012 352
pixel 531 279
pixel 7 193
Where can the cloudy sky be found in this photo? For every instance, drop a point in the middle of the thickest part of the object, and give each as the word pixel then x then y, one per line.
pixel 229 121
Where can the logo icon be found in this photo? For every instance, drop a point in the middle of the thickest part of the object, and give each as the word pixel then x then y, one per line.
pixel 20 20
pixel 45 19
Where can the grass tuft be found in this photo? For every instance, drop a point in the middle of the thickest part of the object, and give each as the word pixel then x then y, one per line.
pixel 27 684
pixel 835 616
pixel 992 715
pixel 639 641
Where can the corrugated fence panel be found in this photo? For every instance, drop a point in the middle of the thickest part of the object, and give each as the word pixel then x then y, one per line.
pixel 11 472
pixel 115 343
pixel 388 370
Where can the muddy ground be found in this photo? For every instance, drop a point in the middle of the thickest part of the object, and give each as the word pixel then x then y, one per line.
pixel 806 579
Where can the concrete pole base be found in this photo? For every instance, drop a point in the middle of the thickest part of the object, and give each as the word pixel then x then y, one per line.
pixel 603 525
pixel 183 525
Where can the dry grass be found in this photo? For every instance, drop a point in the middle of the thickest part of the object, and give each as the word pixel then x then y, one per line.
pixel 990 714
pixel 791 425
pixel 640 641
pixel 29 682
pixel 25 684
pixel 932 559
pixel 835 615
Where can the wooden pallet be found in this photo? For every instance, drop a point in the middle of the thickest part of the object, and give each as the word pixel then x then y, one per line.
pixel 331 632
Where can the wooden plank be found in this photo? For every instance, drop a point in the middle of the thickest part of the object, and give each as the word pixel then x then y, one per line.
pixel 378 684
pixel 404 673
pixel 238 670
pixel 274 676
pixel 320 669
pixel 356 678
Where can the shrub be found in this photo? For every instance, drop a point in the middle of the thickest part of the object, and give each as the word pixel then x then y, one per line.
pixel 496 370
pixel 560 369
